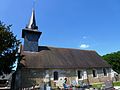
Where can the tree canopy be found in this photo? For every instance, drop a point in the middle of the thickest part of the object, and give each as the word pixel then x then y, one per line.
pixel 9 46
pixel 114 60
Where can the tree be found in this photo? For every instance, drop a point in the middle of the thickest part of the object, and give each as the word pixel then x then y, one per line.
pixel 9 46
pixel 114 60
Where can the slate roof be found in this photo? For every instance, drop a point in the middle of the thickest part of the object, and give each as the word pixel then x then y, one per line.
pixel 62 58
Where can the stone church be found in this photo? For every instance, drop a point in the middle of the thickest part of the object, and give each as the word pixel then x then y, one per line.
pixel 55 66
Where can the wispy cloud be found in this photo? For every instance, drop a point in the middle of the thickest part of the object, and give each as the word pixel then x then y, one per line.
pixel 84 46
pixel 84 37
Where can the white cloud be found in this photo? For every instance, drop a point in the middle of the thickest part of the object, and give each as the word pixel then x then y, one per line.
pixel 84 46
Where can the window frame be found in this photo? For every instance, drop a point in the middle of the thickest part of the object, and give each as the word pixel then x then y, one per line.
pixel 94 73
pixel 79 74
pixel 55 75
pixel 105 72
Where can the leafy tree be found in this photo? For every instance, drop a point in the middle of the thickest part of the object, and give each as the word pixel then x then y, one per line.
pixel 8 49
pixel 114 60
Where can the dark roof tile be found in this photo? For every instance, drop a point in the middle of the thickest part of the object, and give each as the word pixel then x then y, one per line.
pixel 51 57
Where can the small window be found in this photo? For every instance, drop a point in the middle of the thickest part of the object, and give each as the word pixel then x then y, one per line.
pixel 55 75
pixel 79 74
pixel 94 73
pixel 104 72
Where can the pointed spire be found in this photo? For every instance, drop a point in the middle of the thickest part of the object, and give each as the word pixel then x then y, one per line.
pixel 32 22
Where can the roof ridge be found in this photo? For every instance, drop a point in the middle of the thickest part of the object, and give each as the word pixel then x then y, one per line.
pixel 67 48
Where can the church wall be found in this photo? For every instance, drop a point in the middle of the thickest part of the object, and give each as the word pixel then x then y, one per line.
pixel 100 76
pixel 72 76
pixel 33 77
pixel 62 74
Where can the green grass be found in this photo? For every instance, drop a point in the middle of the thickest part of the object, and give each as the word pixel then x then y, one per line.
pixel 116 83
pixel 97 85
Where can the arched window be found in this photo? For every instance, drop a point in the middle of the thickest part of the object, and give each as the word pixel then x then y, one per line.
pixel 55 75
pixel 79 74
pixel 94 73
pixel 104 72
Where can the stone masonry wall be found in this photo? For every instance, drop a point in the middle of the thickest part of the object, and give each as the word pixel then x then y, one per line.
pixel 33 77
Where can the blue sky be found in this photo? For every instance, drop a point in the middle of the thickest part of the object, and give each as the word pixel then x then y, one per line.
pixel 82 24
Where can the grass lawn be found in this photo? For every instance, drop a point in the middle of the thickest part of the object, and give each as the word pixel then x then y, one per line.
pixel 116 83
pixel 99 85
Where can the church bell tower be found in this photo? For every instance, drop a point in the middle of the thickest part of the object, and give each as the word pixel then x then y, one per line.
pixel 31 35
